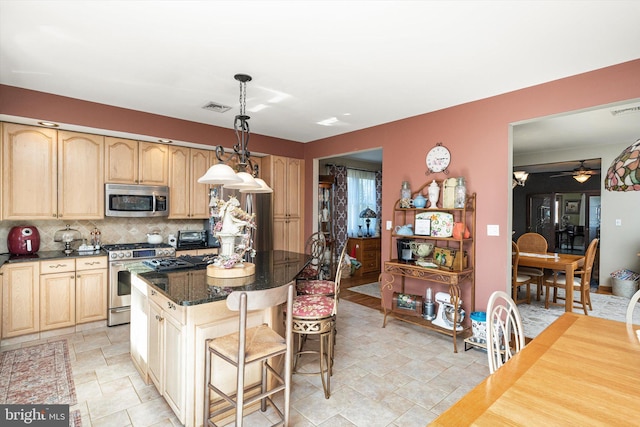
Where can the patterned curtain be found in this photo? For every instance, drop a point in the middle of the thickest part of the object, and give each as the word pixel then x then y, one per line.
pixel 379 202
pixel 340 204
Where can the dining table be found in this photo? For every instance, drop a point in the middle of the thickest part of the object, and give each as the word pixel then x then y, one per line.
pixel 580 371
pixel 568 263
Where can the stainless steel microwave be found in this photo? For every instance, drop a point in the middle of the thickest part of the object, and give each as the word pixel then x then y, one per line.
pixel 131 200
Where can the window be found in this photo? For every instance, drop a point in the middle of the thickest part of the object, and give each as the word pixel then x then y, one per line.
pixel 361 189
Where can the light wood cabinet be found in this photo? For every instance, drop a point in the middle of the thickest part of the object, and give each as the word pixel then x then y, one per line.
pixel 50 174
pixel 57 294
pixel 188 198
pixel 80 176
pixel 29 172
pixel 286 177
pixel 135 162
pixel 20 299
pixel 166 348
pixel 91 289
pixel 367 250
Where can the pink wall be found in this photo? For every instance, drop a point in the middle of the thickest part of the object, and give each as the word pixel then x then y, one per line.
pixel 60 109
pixel 477 134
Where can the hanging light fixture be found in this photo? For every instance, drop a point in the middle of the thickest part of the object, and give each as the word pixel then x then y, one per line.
pixel 624 172
pixel 581 177
pixel 519 178
pixel 245 177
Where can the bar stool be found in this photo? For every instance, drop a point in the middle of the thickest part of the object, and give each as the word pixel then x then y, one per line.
pixel 322 287
pixel 248 346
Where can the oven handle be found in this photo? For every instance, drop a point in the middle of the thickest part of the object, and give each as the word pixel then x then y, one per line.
pixel 120 310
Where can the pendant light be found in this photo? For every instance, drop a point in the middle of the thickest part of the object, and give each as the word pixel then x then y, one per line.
pixel 624 172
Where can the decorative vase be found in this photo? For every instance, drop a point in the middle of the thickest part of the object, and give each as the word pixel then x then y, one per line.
pixel 434 194
pixel 360 231
pixel 405 195
pixel 460 194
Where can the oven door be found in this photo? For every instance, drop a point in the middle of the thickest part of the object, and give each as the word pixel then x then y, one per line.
pixel 119 311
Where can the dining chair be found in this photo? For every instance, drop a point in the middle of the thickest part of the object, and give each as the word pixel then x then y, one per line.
pixel 505 335
pixel 582 284
pixel 533 243
pixel 259 344
pixel 632 306
pixel 517 279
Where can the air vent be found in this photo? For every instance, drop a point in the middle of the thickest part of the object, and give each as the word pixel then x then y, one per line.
pixel 629 110
pixel 214 106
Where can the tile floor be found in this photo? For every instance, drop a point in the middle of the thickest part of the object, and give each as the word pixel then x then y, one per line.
pixel 401 375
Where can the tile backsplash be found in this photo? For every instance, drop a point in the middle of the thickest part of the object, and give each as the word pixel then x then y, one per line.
pixel 113 230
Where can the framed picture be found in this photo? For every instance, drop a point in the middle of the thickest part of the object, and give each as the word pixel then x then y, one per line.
pixel 423 225
pixel 572 207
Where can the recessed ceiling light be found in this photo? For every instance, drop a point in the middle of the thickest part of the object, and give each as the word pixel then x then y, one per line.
pixel 328 122
pixel 49 124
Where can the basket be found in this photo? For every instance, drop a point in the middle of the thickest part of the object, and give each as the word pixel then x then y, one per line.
pixel 624 288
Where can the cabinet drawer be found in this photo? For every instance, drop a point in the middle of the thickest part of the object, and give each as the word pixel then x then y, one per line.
pixel 57 266
pixel 371 245
pixel 91 263
pixel 369 266
pixel 177 312
pixel 368 256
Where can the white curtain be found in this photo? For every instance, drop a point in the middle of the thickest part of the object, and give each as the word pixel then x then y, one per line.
pixel 361 190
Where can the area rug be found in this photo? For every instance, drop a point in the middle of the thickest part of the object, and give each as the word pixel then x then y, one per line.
pixel 535 318
pixel 371 289
pixel 39 374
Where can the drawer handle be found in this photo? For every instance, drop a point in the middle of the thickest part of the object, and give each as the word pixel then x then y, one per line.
pixel 171 305
pixel 158 318
pixel 153 292
pixel 57 266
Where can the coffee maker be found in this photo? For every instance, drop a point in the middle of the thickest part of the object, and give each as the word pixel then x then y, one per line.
pixel 23 240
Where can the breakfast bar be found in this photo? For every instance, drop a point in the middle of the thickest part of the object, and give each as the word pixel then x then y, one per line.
pixel 174 312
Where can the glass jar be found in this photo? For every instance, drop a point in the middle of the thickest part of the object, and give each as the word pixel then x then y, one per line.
pixel 460 194
pixel 405 195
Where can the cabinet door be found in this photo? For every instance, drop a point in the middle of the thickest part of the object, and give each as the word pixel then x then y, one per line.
pixel 153 165
pixel 29 171
pixel 91 295
pixel 295 186
pixel 80 176
pixel 155 345
pixel 280 234
pixel 200 163
pixel 174 365
pixel 57 300
pixel 277 176
pixel 20 299
pixel 138 338
pixel 121 159
pixel 179 182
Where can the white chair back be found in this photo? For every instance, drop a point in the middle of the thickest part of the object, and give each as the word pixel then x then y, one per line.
pixel 632 306
pixel 505 336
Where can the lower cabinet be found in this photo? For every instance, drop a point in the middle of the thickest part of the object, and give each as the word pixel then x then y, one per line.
pixel 20 299
pixel 166 346
pixel 367 250
pixel 53 294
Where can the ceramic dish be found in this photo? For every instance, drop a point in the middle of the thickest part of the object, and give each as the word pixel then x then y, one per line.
pixel 441 224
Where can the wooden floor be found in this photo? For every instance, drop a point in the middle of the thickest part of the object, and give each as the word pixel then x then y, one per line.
pixel 366 300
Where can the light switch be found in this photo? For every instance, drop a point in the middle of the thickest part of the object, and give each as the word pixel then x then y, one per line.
pixel 618 222
pixel 493 230
pixel 389 225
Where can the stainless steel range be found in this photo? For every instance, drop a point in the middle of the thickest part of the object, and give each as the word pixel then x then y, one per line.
pixel 120 257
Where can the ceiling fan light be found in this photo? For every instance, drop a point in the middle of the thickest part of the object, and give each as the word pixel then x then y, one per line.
pixel 582 177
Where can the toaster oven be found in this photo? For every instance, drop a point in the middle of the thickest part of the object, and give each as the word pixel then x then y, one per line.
pixel 192 239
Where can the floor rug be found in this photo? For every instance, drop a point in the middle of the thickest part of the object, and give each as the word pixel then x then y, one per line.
pixel 535 318
pixel 39 374
pixel 371 289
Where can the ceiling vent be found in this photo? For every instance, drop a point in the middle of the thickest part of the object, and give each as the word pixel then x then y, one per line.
pixel 629 110
pixel 214 106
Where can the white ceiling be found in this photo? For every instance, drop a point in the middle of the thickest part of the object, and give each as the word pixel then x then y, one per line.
pixel 361 62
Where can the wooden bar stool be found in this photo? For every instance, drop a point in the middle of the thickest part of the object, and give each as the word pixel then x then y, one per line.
pixel 248 346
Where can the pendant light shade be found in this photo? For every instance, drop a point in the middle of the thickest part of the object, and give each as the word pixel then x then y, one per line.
pixel 247 182
pixel 264 188
pixel 624 172
pixel 219 174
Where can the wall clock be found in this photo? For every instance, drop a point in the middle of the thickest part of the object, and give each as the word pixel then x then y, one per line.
pixel 438 159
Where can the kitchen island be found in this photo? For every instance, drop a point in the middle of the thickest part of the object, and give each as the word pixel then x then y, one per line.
pixel 174 312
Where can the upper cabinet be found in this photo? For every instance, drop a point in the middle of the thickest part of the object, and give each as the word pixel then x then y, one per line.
pixel 80 175
pixel 136 162
pixel 29 170
pixel 188 198
pixel 286 177
pixel 49 174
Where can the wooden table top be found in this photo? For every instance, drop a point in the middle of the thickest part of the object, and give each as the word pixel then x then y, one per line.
pixel 581 370
pixel 550 260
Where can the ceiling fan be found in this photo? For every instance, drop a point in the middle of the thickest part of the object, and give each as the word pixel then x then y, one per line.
pixel 580 174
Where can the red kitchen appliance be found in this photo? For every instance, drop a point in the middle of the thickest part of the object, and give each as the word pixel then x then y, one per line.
pixel 23 240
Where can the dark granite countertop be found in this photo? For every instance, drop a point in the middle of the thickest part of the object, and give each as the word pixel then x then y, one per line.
pixel 47 255
pixel 192 286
